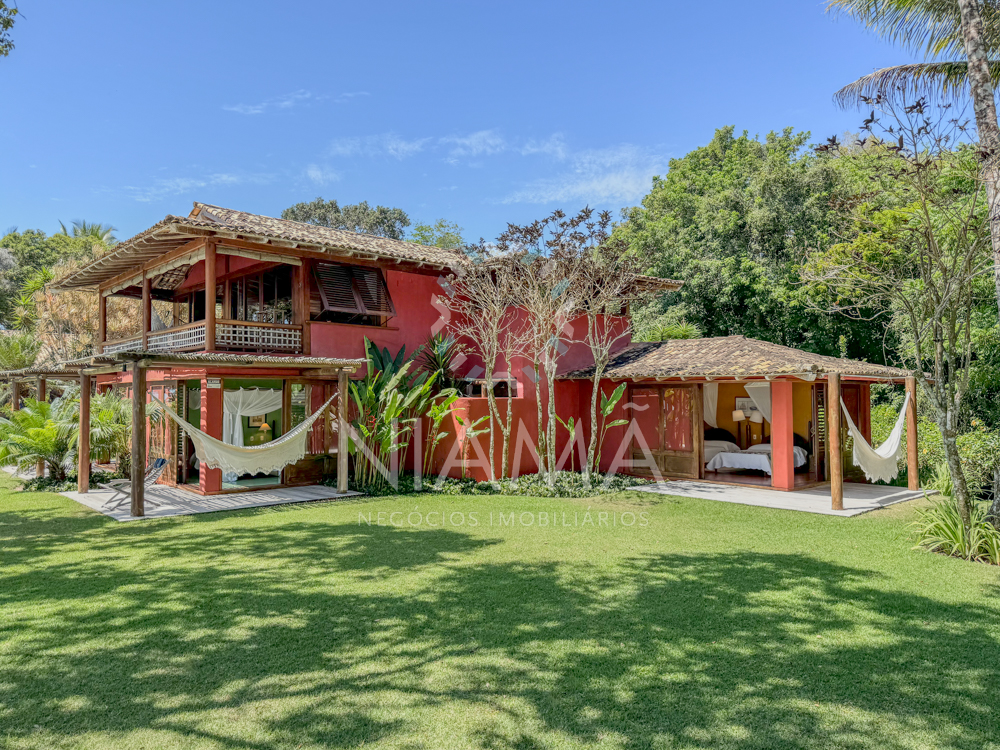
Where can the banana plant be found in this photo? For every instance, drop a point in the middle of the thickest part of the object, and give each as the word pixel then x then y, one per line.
pixel 470 433
pixel 608 404
pixel 441 406
pixel 570 426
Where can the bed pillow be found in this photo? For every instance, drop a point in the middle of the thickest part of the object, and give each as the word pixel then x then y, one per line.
pixel 717 433
pixel 726 446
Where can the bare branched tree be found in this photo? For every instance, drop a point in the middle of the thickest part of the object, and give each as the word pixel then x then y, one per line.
pixel 611 281
pixel 482 301
pixel 548 289
pixel 918 251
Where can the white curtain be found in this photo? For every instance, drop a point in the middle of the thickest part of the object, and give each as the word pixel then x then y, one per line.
pixel 245 402
pixel 711 393
pixel 277 454
pixel 882 463
pixel 760 394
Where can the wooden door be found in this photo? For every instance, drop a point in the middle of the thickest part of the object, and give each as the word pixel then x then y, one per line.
pixel 669 419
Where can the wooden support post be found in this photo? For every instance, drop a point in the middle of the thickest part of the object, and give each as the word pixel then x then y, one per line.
pixel 138 439
pixel 300 303
pixel 342 396
pixel 782 436
pixel 836 457
pixel 83 446
pixel 102 321
pixel 209 297
pixel 147 310
pixel 42 396
pixel 210 480
pixel 912 455
pixel 15 395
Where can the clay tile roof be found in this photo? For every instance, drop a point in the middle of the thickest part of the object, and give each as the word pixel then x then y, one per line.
pixel 728 356
pixel 208 220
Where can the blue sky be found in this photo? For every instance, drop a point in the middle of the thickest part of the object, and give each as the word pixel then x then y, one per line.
pixel 480 113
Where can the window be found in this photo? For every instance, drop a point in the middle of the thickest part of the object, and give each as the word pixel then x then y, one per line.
pixel 262 297
pixel 351 294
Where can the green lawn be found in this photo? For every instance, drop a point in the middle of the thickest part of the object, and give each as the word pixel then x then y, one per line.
pixel 714 626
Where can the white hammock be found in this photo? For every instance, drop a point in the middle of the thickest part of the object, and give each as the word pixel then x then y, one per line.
pixel 272 456
pixel 882 463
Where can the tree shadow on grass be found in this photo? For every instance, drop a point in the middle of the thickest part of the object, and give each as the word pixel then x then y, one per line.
pixel 336 635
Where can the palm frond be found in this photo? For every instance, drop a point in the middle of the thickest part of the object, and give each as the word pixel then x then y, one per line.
pixel 937 80
pixel 929 27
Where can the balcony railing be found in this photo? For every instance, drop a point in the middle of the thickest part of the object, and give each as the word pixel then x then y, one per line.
pixel 240 335
pixel 230 335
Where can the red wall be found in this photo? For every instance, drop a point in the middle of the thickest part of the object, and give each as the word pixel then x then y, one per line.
pixel 413 297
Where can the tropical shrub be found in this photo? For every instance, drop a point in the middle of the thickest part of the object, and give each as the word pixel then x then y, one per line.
pixel 439 356
pixel 40 431
pixel 69 484
pixel 939 529
pixel 566 484
pixel 388 401
pixel 111 429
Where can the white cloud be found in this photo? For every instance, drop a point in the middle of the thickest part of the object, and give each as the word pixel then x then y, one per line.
pixel 348 96
pixel 287 101
pixel 180 185
pixel 620 174
pixel 321 175
pixel 385 144
pixel 554 145
pixel 480 143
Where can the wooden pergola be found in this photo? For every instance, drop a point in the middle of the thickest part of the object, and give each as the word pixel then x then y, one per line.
pixel 138 363
pixel 64 372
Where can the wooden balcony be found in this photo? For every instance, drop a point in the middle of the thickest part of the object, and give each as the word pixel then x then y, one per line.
pixel 230 336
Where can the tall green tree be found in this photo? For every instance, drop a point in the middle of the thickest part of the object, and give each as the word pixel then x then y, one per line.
pixel 950 29
pixel 442 233
pixel 24 255
pixel 359 217
pixel 732 220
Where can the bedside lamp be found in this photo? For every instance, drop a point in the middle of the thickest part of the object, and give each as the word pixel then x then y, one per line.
pixel 265 427
pixel 739 416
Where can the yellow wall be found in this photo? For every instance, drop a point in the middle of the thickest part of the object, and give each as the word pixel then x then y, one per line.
pixel 801 408
pixel 801 405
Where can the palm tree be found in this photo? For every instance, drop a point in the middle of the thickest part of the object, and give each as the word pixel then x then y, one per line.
pixel 94 230
pixel 111 429
pixel 17 351
pixel 945 32
pixel 40 431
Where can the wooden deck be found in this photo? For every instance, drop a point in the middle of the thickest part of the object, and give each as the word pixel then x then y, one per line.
pixel 172 501
pixel 858 498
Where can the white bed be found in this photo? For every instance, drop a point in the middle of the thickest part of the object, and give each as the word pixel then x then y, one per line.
pixel 715 447
pixel 757 457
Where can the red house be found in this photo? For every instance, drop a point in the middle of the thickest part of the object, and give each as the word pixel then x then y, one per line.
pixel 258 321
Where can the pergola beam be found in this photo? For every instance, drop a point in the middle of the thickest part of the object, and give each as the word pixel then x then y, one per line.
pixel 83 451
pixel 342 386
pixel 41 396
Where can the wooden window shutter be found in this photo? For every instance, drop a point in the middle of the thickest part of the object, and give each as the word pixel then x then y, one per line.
pixel 336 288
pixel 374 292
pixel 352 289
